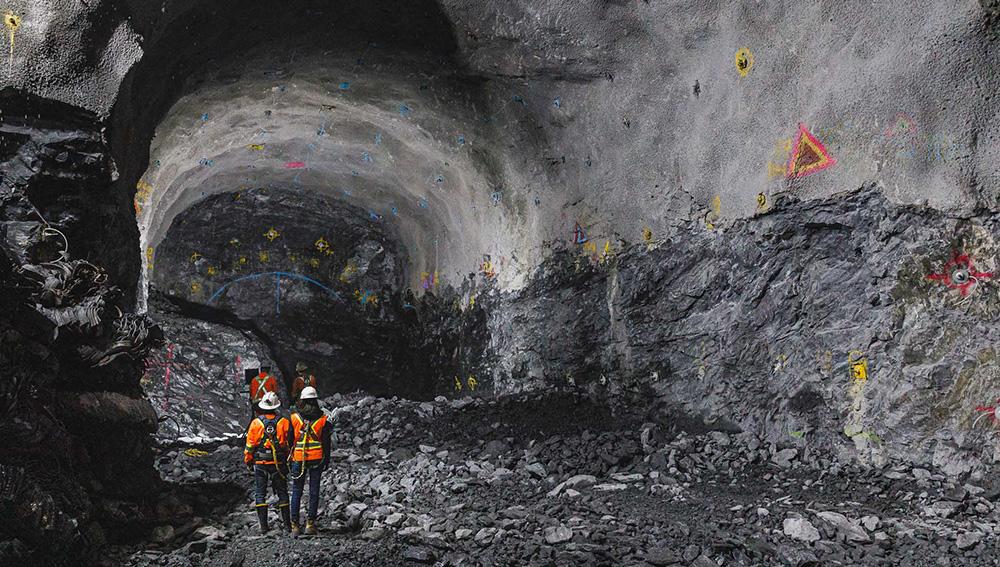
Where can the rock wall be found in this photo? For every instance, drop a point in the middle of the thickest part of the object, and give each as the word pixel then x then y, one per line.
pixel 848 323
pixel 78 468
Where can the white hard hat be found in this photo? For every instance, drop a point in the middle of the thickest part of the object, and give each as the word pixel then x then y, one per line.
pixel 308 393
pixel 270 401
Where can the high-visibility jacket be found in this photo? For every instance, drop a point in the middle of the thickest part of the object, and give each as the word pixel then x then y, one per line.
pixel 300 384
pixel 267 440
pixel 307 438
pixel 262 384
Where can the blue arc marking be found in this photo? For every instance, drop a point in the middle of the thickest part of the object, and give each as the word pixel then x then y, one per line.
pixel 277 286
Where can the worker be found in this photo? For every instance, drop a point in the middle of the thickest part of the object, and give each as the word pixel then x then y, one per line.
pixel 266 455
pixel 301 381
pixel 310 456
pixel 260 385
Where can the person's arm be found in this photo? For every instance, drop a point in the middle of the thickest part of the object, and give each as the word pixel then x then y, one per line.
pixel 325 441
pixel 253 438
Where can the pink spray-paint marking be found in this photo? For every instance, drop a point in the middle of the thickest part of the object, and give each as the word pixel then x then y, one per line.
pixel 964 263
pixel 239 369
pixel 166 364
pixel 295 165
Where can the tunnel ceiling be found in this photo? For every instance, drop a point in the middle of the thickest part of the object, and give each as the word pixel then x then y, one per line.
pixel 385 121
pixel 384 131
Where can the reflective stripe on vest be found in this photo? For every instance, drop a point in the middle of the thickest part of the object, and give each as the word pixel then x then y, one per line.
pixel 260 387
pixel 309 448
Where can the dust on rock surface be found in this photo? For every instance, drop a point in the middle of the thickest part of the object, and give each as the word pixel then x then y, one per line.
pixel 471 482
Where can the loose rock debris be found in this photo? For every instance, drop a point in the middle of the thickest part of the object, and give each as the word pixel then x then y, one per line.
pixel 475 482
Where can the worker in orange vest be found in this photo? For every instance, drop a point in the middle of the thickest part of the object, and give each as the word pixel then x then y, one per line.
pixel 301 381
pixel 266 456
pixel 310 456
pixel 260 385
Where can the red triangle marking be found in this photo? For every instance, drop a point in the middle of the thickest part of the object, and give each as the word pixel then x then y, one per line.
pixel 809 155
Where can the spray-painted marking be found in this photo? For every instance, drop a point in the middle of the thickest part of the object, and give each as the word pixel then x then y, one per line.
pixel 744 61
pixel 960 273
pixel 858 366
pixel 809 155
pixel 295 165
pixel 278 277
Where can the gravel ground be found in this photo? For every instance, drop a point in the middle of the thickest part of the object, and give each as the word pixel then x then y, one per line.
pixel 557 479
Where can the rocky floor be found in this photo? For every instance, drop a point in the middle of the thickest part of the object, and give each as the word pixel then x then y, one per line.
pixel 559 480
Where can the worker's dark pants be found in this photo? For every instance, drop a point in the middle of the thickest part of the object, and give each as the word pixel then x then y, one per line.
pixel 262 474
pixel 312 473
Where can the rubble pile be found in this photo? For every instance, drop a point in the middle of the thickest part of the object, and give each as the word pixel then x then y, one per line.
pixel 477 482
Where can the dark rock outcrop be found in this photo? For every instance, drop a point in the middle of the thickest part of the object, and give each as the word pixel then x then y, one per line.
pixel 78 467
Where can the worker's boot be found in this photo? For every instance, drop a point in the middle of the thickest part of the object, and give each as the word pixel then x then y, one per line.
pixel 310 528
pixel 262 518
pixel 295 528
pixel 286 519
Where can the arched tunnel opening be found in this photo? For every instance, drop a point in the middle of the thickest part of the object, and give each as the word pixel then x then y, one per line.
pixel 313 178
pixel 586 283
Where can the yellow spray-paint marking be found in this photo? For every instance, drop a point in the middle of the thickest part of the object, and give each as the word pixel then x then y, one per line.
pixel 761 201
pixel 195 287
pixel 647 234
pixel 349 270
pixel 713 215
pixel 859 366
pixel 323 245
pixel 472 300
pixel 212 271
pixel 263 256
pixel 458 384
pixel 590 247
pixel 192 452
pixel 195 257
pixel 234 242
pixel 314 262
pixel 243 260
pixel 13 22
pixel 777 166
pixel 472 383
pixel 272 234
pixel 744 61
pixel 256 147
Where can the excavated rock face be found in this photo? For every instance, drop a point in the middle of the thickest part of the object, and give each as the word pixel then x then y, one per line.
pixel 76 423
pixel 769 218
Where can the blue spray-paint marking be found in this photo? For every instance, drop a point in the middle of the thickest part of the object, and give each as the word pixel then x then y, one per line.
pixel 297 179
pixel 205 162
pixel 321 131
pixel 495 197
pixel 461 140
pixel 394 211
pixel 374 216
pixel 423 203
pixel 404 110
pixel 345 85
pixel 378 138
pixel 311 147
pixel 557 102
pixel 366 157
pixel 355 173
pixel 518 99
pixel 348 193
pixel 277 280
pixel 439 179
pixel 277 294
pixel 204 117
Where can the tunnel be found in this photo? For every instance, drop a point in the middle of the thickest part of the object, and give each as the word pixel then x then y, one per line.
pixel 580 283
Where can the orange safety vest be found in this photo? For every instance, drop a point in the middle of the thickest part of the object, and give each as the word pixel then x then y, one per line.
pixel 307 444
pixel 259 447
pixel 300 384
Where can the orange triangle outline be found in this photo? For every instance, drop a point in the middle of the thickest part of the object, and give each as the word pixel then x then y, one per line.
pixel 806 137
